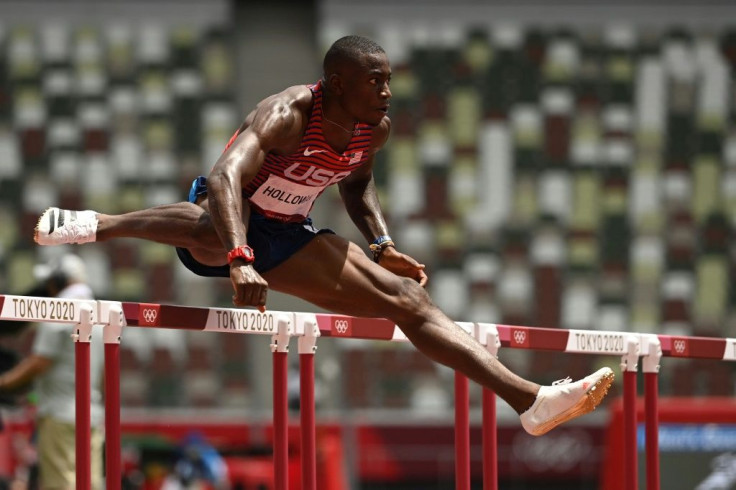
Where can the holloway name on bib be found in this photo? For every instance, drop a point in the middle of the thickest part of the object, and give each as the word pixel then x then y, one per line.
pixel 281 196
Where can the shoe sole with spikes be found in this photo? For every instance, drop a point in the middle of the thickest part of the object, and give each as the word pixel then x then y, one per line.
pixel 595 387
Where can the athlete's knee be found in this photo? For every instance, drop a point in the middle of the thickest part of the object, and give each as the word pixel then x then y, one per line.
pixel 413 304
pixel 204 233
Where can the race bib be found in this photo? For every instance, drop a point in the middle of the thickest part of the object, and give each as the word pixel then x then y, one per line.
pixel 284 197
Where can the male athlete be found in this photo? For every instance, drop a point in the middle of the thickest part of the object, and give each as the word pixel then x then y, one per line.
pixel 249 221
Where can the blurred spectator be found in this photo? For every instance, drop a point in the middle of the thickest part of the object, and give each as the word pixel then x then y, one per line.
pixel 199 466
pixel 51 367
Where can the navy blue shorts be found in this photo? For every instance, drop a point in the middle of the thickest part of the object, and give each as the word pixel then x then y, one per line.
pixel 272 241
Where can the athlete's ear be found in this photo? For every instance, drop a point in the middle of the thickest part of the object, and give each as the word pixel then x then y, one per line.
pixel 334 82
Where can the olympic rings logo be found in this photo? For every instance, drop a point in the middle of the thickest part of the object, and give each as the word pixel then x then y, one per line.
pixel 341 326
pixel 519 336
pixel 149 315
pixel 680 346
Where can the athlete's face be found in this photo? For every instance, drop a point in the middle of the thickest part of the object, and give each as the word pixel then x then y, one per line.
pixel 365 91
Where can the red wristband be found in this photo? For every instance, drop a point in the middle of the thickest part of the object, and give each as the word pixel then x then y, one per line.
pixel 243 252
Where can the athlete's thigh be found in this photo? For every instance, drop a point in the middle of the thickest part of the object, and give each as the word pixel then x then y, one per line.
pixel 335 274
pixel 214 254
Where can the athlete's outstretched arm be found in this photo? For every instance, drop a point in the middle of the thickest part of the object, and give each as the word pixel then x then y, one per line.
pixel 358 190
pixel 273 125
pixel 358 193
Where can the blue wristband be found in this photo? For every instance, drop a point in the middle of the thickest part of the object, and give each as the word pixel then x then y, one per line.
pixel 378 246
pixel 381 239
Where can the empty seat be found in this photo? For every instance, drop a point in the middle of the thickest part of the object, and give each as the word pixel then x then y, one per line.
pixel 10 157
pixel 548 257
pixel 23 56
pixel 712 276
pixel 579 303
pixel 450 292
pixel 558 105
pixel 706 199
pixel 121 59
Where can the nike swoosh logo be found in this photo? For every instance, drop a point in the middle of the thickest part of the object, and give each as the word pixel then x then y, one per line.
pixel 308 153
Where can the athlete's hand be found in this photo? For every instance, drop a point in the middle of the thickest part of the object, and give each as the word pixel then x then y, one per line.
pixel 250 288
pixel 402 265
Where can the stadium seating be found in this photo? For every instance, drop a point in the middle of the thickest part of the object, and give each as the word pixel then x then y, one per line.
pixel 569 178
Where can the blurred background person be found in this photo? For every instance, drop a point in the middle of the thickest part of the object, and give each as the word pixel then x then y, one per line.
pixel 50 366
pixel 198 465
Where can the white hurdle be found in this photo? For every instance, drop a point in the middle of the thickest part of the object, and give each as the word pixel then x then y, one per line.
pixel 83 315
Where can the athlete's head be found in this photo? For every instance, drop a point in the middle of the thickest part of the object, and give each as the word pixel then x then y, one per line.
pixel 348 49
pixel 357 71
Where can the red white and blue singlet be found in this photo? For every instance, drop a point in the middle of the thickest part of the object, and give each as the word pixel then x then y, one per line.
pixel 286 186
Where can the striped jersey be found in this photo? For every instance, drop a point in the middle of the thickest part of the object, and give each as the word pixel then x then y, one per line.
pixel 286 186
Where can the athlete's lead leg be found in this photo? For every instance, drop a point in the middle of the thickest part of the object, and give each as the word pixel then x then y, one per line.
pixel 337 275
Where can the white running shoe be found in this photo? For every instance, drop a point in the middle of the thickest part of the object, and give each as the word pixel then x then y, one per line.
pixel 565 400
pixel 57 226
